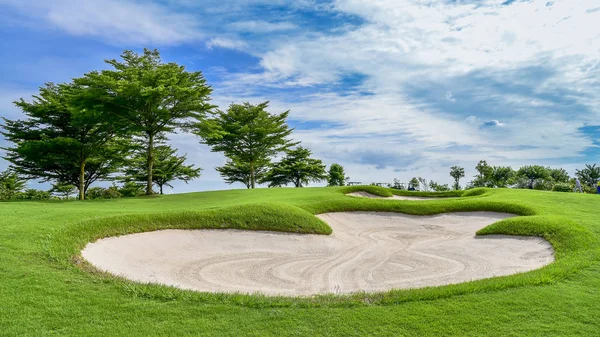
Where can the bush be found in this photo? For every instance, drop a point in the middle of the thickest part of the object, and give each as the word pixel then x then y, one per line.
pixel 111 193
pixel 103 193
pixel 562 187
pixel 33 194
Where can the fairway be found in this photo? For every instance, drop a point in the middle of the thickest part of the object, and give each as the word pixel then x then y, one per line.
pixel 47 287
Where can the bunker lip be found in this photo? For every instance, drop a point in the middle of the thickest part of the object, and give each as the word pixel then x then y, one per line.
pixel 368 251
pixel 363 194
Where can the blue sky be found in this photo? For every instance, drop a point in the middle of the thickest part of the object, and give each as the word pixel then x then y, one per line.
pixel 388 88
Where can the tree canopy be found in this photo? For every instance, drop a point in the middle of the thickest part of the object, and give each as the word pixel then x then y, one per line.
pixel 457 173
pixel 147 97
pixel 336 175
pixel 296 168
pixel 589 175
pixel 248 135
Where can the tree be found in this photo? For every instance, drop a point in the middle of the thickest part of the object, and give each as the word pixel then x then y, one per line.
pixel 423 183
pixel 60 142
pixel 337 176
pixel 167 167
pixel 11 184
pixel 484 176
pixel 297 168
pixel 457 172
pixel 147 97
pixel 413 183
pixel 248 135
pixel 559 175
pixel 501 176
pixel 438 187
pixel 534 173
pixel 588 175
pixel 63 189
pixel 235 171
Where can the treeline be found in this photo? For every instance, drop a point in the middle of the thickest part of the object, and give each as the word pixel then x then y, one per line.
pixel 533 177
pixel 113 125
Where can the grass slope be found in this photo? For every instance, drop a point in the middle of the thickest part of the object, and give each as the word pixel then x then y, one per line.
pixel 46 289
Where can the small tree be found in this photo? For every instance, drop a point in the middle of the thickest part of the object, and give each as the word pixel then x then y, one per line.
pixel 457 173
pixel 237 172
pixel 423 184
pixel 413 183
pixel 297 168
pixel 501 176
pixel 438 187
pixel 484 176
pixel 147 97
pixel 559 175
pixel 337 176
pixel 167 167
pixel 11 184
pixel 63 190
pixel 248 135
pixel 589 175
pixel 534 173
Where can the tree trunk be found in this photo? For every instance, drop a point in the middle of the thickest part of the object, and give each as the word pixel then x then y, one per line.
pixel 252 174
pixel 149 162
pixel 161 191
pixel 82 180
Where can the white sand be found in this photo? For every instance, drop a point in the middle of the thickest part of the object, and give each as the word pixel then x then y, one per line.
pixel 366 252
pixel 397 197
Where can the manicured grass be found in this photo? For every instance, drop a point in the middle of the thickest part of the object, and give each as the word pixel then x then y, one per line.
pixel 46 288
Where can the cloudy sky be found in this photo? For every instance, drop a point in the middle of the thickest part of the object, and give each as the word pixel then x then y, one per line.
pixel 387 88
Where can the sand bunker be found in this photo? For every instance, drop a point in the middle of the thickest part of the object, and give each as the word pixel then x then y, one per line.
pixel 397 197
pixel 366 252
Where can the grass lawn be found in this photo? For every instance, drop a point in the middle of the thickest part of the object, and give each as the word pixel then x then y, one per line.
pixel 46 289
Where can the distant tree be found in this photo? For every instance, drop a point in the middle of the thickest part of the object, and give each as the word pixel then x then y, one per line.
pixel 588 175
pixel 397 185
pixel 63 189
pixel 484 176
pixel 58 142
pixel 501 176
pixel 237 172
pixel 248 135
pixel 167 167
pixel 423 184
pixel 559 175
pixel 297 168
pixel 147 97
pixel 413 183
pixel 457 172
pixel 438 187
pixel 534 173
pixel 337 176
pixel 11 184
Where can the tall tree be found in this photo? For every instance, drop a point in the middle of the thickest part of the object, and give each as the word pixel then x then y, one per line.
pixel 501 176
pixel 457 172
pixel 534 173
pixel 60 142
pixel 559 175
pixel 336 175
pixel 484 176
pixel 147 97
pixel 167 167
pixel 248 135
pixel 589 175
pixel 11 184
pixel 297 168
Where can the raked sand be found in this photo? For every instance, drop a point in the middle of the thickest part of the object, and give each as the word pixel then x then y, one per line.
pixel 367 252
pixel 363 194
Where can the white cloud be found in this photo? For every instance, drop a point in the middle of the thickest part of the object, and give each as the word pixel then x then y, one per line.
pixel 221 42
pixel 258 26
pixel 115 22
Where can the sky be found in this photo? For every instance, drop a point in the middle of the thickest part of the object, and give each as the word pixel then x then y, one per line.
pixel 387 88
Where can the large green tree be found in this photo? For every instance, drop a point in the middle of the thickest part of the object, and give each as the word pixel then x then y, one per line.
pixel 60 142
pixel 296 168
pixel 167 167
pixel 147 97
pixel 248 135
pixel 336 175
pixel 534 174
pixel 457 173
pixel 11 184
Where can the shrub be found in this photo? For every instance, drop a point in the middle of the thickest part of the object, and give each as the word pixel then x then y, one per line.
pixel 562 187
pixel 33 194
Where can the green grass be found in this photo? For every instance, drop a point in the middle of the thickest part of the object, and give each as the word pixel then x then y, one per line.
pixel 46 288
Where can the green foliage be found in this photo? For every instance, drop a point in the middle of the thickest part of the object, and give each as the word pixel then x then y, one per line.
pixel 397 184
pixel 413 183
pixel 438 187
pixel 457 172
pixel 336 175
pixel 235 171
pixel 63 190
pixel 131 189
pixel 103 193
pixel 297 168
pixel 559 175
pixel 60 142
pixel 589 175
pixel 146 97
pixel 167 167
pixel 11 184
pixel 248 135
pixel 562 187
pixel 33 194
pixel 535 174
